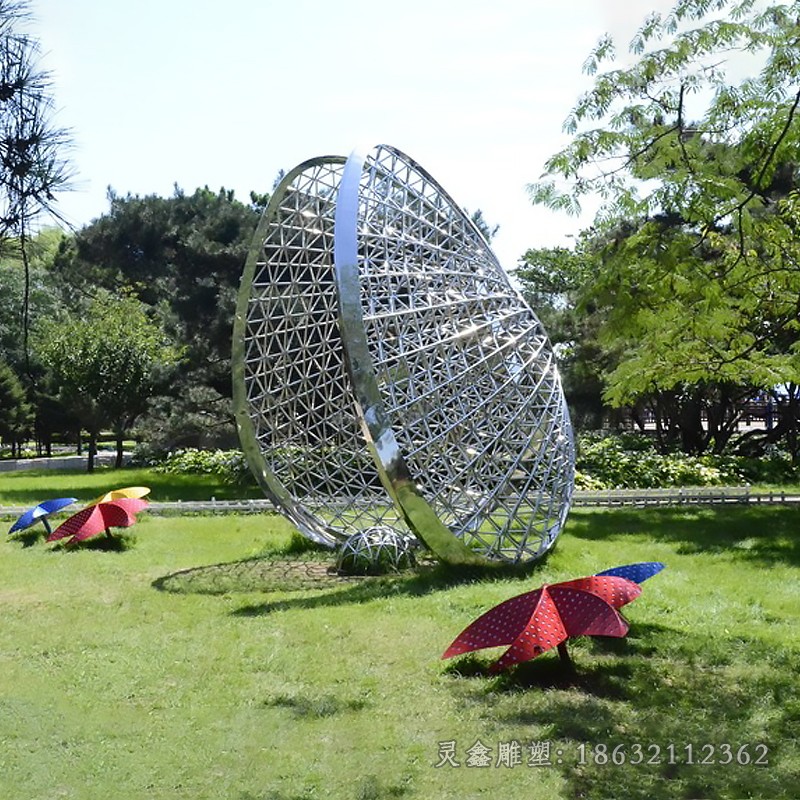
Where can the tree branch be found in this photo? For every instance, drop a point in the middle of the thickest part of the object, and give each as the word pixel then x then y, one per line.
pixel 770 156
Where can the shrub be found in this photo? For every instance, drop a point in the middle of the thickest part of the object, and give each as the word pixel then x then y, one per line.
pixel 630 461
pixel 776 466
pixel 230 465
pixel 627 461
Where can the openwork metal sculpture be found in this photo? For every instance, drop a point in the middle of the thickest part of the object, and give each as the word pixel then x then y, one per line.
pixel 375 551
pixel 387 373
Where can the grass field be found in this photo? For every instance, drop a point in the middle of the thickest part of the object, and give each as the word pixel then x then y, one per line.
pixel 192 663
pixel 31 486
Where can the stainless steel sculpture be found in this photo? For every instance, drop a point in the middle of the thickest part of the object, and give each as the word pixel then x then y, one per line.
pixel 379 348
pixel 375 551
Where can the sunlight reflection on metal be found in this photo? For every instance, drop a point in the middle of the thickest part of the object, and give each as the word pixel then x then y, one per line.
pixel 380 349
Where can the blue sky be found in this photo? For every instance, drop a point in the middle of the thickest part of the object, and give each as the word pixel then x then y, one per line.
pixel 197 92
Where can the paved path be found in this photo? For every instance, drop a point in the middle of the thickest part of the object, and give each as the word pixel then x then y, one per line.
pixel 105 458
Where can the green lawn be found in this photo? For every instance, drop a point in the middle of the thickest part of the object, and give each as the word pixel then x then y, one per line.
pixel 183 666
pixel 32 486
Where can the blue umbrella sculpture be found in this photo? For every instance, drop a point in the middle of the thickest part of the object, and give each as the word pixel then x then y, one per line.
pixel 40 513
pixel 635 572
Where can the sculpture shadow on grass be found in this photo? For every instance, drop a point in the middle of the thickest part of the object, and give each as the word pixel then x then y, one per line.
pixel 546 672
pixel 116 543
pixel 311 572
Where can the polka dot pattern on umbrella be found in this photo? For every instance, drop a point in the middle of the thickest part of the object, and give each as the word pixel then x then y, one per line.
pixel 98 518
pixel 537 621
pixel 544 630
pixel 586 614
pixel 500 625
pixel 617 592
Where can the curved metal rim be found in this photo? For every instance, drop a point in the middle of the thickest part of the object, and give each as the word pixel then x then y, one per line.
pixel 310 525
pixel 394 472
pixel 370 410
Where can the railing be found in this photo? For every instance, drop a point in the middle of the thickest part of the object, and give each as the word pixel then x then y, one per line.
pixel 610 498
pixel 212 506
pixel 706 495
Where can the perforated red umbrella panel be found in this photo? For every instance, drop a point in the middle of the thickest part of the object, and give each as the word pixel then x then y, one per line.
pixel 98 518
pixel 534 622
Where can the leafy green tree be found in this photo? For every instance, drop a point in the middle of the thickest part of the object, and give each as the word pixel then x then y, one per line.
pixel 552 279
pixel 33 162
pixel 106 362
pixel 16 414
pixel 696 172
pixel 183 255
pixel 54 415
pixel 194 418
pixel 44 297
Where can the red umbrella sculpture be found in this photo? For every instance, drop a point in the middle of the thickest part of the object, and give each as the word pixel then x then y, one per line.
pixel 98 518
pixel 534 622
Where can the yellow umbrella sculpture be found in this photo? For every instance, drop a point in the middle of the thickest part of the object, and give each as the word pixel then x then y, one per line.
pixel 118 494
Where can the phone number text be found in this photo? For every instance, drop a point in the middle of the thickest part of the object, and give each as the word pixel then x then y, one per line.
pixel 653 754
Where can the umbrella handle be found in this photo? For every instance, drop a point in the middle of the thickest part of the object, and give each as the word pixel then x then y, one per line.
pixel 46 525
pixel 566 660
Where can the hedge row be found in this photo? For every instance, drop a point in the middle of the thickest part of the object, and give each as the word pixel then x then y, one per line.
pixel 624 461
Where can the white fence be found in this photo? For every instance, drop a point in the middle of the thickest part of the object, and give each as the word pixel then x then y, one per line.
pixel 611 498
pixel 706 495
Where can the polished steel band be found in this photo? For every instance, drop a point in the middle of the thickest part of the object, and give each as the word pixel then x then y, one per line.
pixel 379 343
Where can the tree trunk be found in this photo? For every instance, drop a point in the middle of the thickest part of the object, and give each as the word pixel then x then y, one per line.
pixel 692 434
pixel 118 461
pixel 792 412
pixel 92 451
